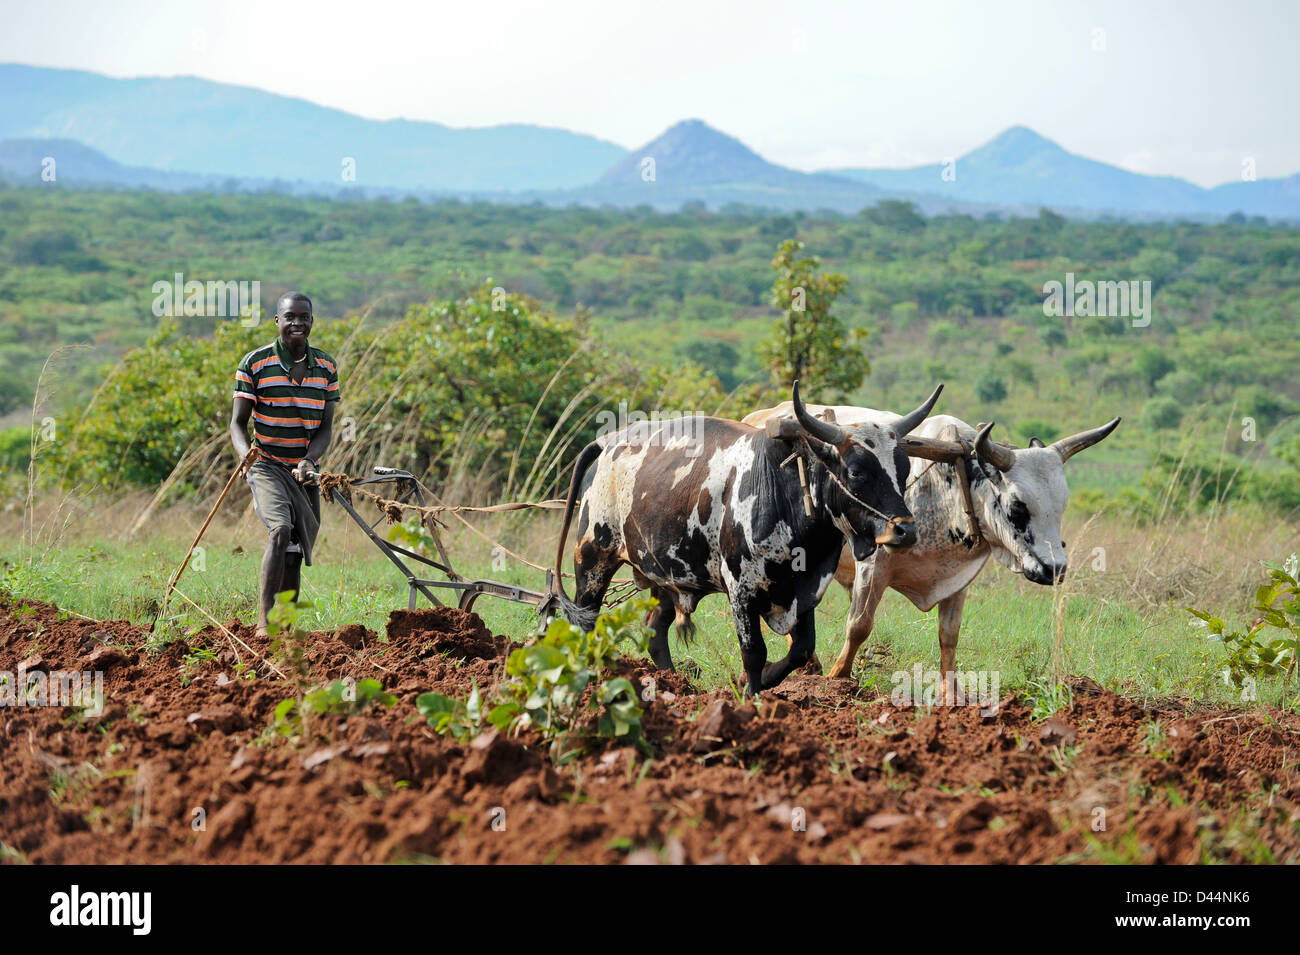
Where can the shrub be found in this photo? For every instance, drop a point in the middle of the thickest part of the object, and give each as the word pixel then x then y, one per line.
pixel 1278 603
pixel 1161 414
pixel 548 682
pixel 990 389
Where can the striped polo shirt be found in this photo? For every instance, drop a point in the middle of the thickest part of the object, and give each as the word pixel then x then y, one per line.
pixel 285 415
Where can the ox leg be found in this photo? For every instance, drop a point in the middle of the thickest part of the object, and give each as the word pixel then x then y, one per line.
pixel 845 575
pixel 753 651
pixel 660 619
pixel 862 618
pixel 813 666
pixel 949 629
pixel 803 641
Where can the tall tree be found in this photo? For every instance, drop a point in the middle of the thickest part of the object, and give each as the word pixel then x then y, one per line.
pixel 808 342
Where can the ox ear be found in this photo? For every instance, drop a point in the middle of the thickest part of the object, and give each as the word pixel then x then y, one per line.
pixel 1036 442
pixel 827 454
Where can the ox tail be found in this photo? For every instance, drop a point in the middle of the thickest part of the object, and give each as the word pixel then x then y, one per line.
pixel 684 626
pixel 580 617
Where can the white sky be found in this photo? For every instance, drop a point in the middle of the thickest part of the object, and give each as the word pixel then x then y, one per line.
pixel 1187 89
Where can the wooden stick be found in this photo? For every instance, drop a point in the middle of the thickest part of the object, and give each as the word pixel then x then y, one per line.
pixel 803 483
pixel 224 629
pixel 171 584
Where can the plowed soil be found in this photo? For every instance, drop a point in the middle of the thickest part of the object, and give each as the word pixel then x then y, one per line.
pixel 178 768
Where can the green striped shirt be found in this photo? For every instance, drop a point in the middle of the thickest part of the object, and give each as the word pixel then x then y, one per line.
pixel 285 415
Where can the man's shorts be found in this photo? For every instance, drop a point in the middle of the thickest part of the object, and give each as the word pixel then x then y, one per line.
pixel 280 501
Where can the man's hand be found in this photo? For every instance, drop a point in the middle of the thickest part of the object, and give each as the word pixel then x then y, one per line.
pixel 307 471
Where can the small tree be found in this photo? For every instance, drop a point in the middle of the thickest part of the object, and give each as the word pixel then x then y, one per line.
pixel 808 343
pixel 990 389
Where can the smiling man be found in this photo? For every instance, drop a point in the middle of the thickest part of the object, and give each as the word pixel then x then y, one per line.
pixel 289 389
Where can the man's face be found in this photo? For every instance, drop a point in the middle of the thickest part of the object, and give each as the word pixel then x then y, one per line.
pixel 293 319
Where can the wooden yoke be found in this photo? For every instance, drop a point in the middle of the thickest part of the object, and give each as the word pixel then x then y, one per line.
pixel 789 429
pixel 950 435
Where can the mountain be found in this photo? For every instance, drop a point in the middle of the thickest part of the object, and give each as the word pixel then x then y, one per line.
pixel 198 126
pixel 1020 167
pixel 188 133
pixel 1264 197
pixel 27 162
pixel 693 162
pixel 694 153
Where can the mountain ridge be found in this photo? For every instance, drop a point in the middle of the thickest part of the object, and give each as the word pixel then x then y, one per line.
pixel 200 126
pixel 1022 166
pixel 191 133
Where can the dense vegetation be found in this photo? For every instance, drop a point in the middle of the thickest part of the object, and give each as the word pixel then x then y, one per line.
pixel 955 299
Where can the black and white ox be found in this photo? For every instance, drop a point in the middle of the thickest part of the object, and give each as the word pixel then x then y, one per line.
pixel 1018 496
pixel 702 505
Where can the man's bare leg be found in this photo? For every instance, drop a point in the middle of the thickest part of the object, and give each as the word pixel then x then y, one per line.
pixel 273 569
pixel 291 579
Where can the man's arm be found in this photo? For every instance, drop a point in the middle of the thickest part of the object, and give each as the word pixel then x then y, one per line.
pixel 239 416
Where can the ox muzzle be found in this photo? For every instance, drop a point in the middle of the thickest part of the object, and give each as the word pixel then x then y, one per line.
pixel 899 534
pixel 1045 572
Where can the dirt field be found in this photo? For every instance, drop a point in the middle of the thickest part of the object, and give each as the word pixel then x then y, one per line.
pixel 819 775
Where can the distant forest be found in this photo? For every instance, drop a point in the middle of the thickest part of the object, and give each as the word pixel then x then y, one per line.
pixel 1211 382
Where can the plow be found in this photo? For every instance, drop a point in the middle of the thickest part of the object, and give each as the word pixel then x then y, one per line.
pixel 409 493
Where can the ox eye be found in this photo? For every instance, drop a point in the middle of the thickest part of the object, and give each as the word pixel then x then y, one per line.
pixel 1063 545
pixel 868 442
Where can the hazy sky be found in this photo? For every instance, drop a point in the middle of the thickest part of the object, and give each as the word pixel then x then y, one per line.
pixel 1187 89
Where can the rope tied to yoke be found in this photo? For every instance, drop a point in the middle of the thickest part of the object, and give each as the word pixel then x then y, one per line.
pixel 957 464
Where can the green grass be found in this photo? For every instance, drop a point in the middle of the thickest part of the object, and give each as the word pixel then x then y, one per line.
pixel 1008 624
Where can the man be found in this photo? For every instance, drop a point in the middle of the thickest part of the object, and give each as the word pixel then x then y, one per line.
pixel 289 389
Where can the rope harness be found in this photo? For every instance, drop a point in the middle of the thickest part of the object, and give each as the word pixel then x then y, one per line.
pixel 392 510
pixel 344 485
pixel 803 481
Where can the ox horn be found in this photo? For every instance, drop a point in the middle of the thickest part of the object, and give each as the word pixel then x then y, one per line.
pixel 907 423
pixel 1068 447
pixel 822 430
pixel 995 454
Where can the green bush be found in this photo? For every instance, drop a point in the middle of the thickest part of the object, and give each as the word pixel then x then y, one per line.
pixel 548 684
pixel 990 389
pixel 1161 414
pixel 15 448
pixel 1249 655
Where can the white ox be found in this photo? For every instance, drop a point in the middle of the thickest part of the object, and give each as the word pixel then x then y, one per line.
pixel 1018 496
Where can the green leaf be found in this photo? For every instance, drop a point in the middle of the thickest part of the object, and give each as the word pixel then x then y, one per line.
pixel 504 715
pixel 473 706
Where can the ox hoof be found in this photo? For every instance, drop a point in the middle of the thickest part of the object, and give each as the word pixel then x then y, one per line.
pixel 813 667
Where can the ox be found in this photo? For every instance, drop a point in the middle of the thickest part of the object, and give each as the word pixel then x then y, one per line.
pixel 1017 497
pixel 704 505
